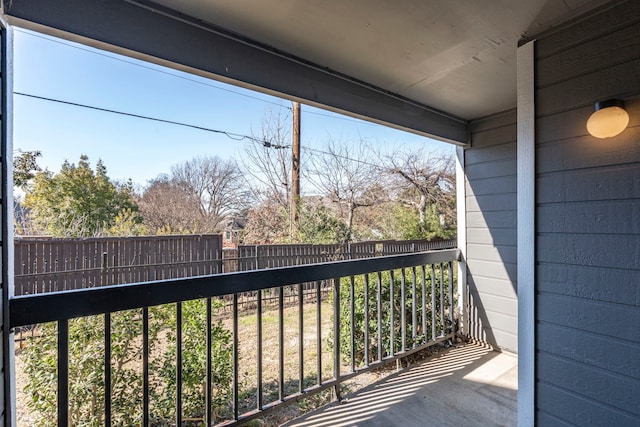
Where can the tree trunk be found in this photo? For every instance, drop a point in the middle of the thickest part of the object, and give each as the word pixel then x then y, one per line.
pixel 422 209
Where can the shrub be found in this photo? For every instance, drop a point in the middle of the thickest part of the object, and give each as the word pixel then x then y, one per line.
pixel 86 366
pixel 359 312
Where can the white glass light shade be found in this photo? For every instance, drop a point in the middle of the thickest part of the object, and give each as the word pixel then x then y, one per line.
pixel 609 119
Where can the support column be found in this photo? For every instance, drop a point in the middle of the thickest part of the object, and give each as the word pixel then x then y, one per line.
pixel 526 235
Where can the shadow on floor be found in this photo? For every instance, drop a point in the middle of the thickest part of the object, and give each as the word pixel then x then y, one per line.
pixel 469 385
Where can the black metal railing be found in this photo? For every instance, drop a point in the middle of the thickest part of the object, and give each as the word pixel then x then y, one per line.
pixel 380 309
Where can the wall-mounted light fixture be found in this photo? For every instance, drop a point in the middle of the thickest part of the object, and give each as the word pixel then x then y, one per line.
pixel 609 119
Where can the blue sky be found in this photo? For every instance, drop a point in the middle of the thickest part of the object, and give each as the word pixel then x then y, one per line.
pixel 141 149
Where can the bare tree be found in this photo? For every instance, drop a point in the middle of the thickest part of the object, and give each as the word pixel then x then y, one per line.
pixel 166 208
pixel 268 162
pixel 265 224
pixel 346 176
pixel 218 186
pixel 424 179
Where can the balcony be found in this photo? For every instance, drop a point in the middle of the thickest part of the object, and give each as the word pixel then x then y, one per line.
pixel 466 385
pixel 289 352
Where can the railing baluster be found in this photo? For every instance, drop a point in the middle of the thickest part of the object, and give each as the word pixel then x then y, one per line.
pixel 424 305
pixel 352 322
pixel 366 320
pixel 392 315
pixel 414 311
pixel 281 341
pixel 450 271
pixel 145 367
pixel 319 331
pixel 403 310
pixel 236 410
pixel 433 302
pixel 259 355
pixel 107 369
pixel 300 339
pixel 336 335
pixel 442 298
pixel 207 395
pixel 379 308
pixel 178 364
pixel 63 373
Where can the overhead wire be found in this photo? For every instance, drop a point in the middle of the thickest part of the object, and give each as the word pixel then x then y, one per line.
pixel 231 135
pixel 340 156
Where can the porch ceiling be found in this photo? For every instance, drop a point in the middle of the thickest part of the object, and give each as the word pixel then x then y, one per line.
pixel 457 56
pixel 426 66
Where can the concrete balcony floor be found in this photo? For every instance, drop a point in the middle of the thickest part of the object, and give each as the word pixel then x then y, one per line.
pixel 469 385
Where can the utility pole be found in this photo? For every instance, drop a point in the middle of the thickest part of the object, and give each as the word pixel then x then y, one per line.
pixel 295 171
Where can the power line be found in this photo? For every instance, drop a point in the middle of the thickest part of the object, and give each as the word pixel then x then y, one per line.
pixel 344 157
pixel 231 135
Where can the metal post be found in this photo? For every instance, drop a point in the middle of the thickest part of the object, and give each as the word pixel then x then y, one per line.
pixel 145 367
pixel 63 373
pixel 366 319
pixel 336 334
pixel 259 355
pixel 107 369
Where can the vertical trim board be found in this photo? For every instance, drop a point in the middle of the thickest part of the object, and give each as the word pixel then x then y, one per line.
pixel 526 234
pixel 462 240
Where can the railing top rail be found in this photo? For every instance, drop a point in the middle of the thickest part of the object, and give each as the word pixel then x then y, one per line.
pixel 41 308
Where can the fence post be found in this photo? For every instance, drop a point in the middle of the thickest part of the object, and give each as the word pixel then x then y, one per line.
pixel 104 269
pixel 257 258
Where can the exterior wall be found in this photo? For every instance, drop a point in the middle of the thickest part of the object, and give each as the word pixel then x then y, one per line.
pixel 588 224
pixel 490 167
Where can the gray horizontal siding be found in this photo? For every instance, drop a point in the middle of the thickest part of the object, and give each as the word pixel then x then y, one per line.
pixel 593 250
pixel 565 408
pixel 504 236
pixel 591 383
pixel 587 224
pixel 607 319
pixel 601 217
pixel 587 347
pixel 490 169
pixel 595 283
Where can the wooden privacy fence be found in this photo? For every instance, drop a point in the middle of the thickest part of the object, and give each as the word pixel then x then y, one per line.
pixel 50 264
pixel 252 257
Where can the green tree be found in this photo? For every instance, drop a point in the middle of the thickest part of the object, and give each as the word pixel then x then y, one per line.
pixel 320 225
pixel 78 201
pixel 25 167
pixel 409 226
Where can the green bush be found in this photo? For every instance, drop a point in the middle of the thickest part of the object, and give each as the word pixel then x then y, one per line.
pixel 194 365
pixel 359 312
pixel 86 367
